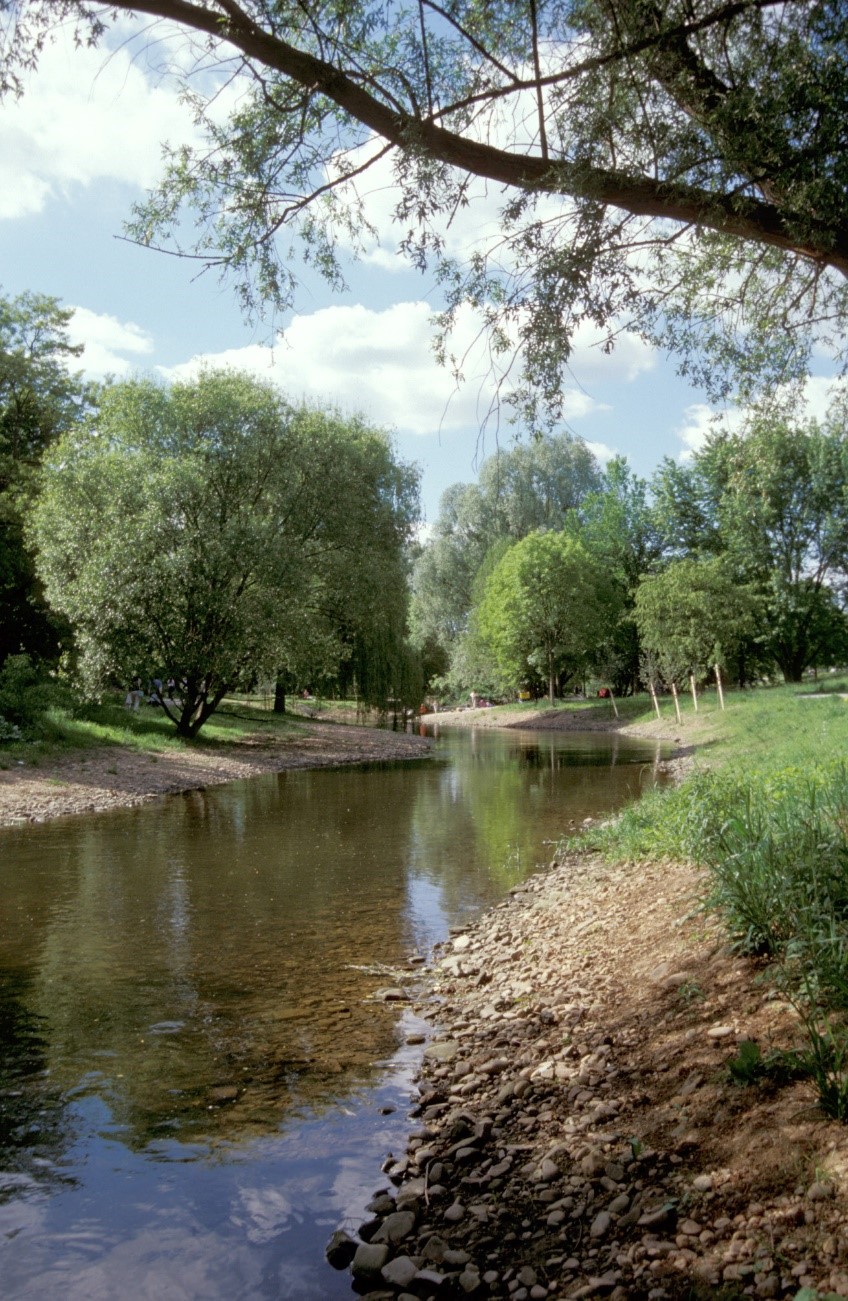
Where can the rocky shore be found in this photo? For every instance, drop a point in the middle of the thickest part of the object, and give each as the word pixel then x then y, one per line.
pixel 580 1131
pixel 109 777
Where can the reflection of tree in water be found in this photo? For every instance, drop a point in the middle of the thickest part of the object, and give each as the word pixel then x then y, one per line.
pixel 194 963
pixel 203 954
pixel 33 1133
pixel 503 800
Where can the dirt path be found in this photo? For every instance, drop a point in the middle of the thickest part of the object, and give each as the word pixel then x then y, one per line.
pixel 111 777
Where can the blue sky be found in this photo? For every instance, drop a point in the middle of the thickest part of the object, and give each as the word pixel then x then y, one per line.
pixel 82 146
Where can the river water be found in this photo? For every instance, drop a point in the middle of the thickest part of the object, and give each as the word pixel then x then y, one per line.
pixel 196 1087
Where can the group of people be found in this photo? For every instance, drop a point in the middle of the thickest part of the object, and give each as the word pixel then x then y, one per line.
pixel 157 691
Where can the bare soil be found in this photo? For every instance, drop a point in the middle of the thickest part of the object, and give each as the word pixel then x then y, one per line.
pixel 108 777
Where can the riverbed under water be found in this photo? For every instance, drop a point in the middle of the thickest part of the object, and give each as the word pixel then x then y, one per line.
pixel 195 1086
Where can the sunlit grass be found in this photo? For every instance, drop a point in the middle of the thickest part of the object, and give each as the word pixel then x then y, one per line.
pixel 148 731
pixel 766 812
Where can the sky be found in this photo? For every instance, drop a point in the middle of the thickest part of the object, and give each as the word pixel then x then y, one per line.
pixel 84 144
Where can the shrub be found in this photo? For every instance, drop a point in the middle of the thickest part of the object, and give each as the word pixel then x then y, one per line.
pixel 26 693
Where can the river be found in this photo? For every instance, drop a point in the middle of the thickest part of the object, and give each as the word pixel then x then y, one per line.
pixel 197 1086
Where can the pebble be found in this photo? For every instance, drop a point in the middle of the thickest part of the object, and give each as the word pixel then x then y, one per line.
pixel 525 1152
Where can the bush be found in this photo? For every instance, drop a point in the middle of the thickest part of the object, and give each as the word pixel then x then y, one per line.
pixel 26 693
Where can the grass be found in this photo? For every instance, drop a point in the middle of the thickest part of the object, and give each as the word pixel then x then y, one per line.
pixel 766 812
pixel 63 730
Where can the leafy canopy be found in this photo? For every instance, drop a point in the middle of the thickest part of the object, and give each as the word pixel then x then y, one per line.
pixel 693 615
pixel 211 533
pixel 40 397
pixel 772 500
pixel 680 165
pixel 532 486
pixel 545 608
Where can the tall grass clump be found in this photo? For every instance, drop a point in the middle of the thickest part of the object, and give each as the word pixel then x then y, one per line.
pixel 775 843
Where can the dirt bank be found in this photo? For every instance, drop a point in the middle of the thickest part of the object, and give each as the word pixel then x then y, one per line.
pixel 579 1131
pixel 116 777
pixel 698 732
pixel 586 718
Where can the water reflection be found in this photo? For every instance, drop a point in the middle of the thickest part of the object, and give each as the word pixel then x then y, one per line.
pixel 191 1056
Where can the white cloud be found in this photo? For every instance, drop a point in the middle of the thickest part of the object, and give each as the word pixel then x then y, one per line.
pixel 602 452
pixel 105 339
pixel 376 362
pixel 819 392
pixel 84 117
pixel 812 402
pixel 381 363
pixel 698 423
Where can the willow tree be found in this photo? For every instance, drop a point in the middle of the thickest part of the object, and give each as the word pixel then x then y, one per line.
pixel 679 165
pixel 204 531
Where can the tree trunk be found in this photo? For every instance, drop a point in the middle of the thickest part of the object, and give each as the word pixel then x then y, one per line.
pixel 551 676
pixel 280 694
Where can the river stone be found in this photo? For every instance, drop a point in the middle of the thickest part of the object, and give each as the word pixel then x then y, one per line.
pixel 435 1249
pixel 426 1282
pixel 224 1093
pixel 443 1051
pixel 400 1272
pixel 395 1228
pixel 461 943
pixel 600 1224
pixel 340 1250
pixel 410 1192
pixel 381 1205
pixel 469 1281
pixel 367 1230
pixel 368 1262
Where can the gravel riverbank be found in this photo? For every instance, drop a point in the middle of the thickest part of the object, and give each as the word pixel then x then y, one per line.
pixel 108 777
pixel 578 1131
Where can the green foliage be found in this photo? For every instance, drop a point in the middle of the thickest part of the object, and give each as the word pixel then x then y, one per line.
pixel 545 608
pixel 617 526
pixel 608 132
pixel 26 694
pixel 692 615
pixel 39 399
pixel 210 533
pixel 774 838
pixel 747 1066
pixel 529 487
pixel 771 500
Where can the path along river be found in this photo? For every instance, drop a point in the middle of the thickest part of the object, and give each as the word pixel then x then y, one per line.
pixel 196 1085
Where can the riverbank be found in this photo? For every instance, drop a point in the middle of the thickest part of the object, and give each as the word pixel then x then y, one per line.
pixel 585 1124
pixel 101 777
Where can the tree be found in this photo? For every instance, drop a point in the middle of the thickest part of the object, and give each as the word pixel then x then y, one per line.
pixel 618 528
pixel 210 533
pixel 545 608
pixel 529 487
pixel 679 164
pixel 39 399
pixel 773 500
pixel 693 615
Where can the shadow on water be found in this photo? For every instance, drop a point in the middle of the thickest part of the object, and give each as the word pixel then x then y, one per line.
pixel 195 1068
